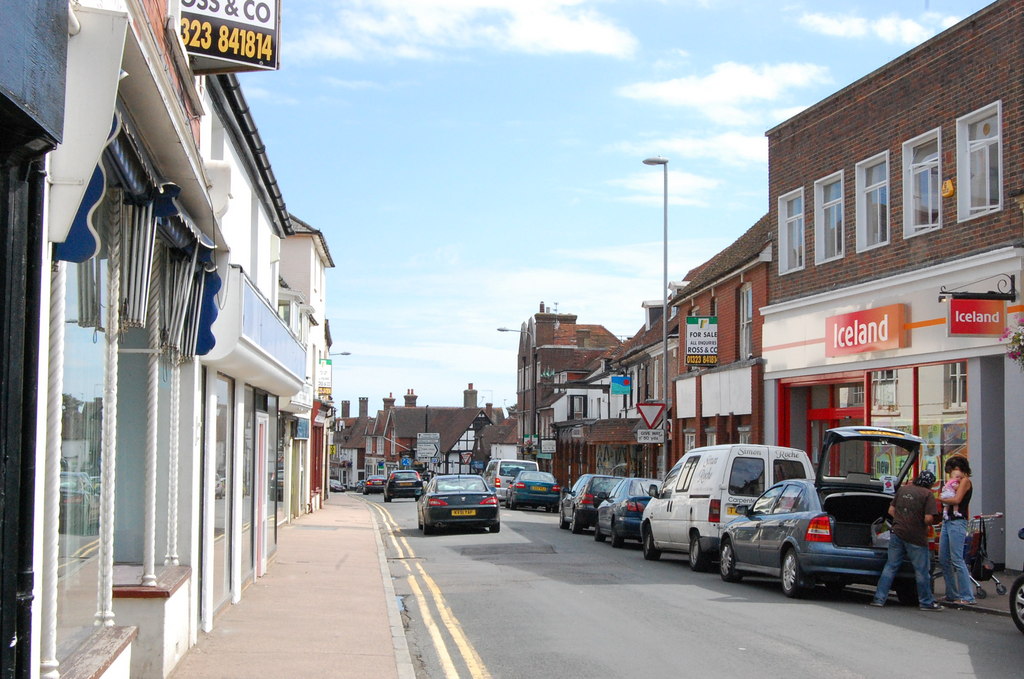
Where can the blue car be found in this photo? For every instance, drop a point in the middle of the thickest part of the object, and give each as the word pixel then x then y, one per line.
pixel 620 515
pixel 533 489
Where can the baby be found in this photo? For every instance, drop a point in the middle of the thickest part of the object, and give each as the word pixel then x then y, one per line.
pixel 948 491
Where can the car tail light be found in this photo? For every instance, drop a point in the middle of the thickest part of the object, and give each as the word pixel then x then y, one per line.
pixel 588 499
pixel 492 500
pixel 437 502
pixel 819 530
pixel 715 511
pixel 556 489
pixel 635 506
pixel 497 482
pixel 520 485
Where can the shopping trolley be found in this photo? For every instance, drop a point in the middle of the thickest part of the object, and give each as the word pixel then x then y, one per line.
pixel 979 566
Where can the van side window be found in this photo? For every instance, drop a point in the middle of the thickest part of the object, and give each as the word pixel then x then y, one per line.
pixel 670 480
pixel 687 473
pixel 783 470
pixel 747 476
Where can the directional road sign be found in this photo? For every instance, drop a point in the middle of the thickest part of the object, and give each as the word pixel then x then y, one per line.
pixel 428 445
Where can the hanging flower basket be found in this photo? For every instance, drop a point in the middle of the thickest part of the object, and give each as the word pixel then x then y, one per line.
pixel 1014 336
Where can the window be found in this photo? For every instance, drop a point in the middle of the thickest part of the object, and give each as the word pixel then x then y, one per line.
pixel 873 202
pixel 689 441
pixel 922 169
pixel 956 385
pixel 747 476
pixel 791 231
pixel 745 437
pixel 687 473
pixel 746 321
pixel 763 505
pixel 979 162
pixel 883 390
pixel 828 218
pixel 710 437
pixel 577 407
pixel 790 501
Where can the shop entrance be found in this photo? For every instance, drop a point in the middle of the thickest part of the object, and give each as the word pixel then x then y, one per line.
pixel 812 408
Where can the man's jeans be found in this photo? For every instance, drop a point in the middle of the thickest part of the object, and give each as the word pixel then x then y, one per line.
pixel 951 557
pixel 919 558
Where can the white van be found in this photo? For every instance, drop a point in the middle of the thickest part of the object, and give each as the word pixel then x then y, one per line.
pixel 499 474
pixel 702 491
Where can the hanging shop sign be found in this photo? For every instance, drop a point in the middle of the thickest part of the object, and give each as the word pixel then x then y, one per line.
pixel 976 317
pixel 621 385
pixel 225 36
pixel 869 330
pixel 702 340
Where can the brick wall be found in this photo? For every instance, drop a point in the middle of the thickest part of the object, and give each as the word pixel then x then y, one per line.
pixel 970 66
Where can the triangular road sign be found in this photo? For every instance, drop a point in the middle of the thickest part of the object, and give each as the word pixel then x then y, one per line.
pixel 651 413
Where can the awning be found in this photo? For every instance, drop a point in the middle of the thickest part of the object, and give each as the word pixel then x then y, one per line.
pixel 94 69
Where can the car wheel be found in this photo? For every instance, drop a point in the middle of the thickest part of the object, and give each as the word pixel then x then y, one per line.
pixel 427 529
pixel 512 504
pixel 562 523
pixel 727 563
pixel 651 553
pixel 617 539
pixel 598 535
pixel 906 592
pixel 387 498
pixel 496 528
pixel 419 521
pixel 792 576
pixel 574 525
pixel 700 561
pixel 365 492
pixel 1017 602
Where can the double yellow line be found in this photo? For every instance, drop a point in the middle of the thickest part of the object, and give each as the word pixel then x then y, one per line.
pixel 471 659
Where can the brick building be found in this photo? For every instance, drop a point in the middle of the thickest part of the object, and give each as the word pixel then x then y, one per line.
pixel 893 201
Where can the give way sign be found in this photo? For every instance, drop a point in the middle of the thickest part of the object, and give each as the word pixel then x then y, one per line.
pixel 651 412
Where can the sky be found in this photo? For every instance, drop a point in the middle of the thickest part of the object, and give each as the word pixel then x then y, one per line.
pixel 469 160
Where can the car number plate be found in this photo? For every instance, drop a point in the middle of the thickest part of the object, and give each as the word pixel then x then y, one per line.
pixel 463 512
pixel 731 510
pixel 405 483
pixel 540 489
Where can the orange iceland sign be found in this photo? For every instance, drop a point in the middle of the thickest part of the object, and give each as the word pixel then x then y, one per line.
pixel 868 330
pixel 983 317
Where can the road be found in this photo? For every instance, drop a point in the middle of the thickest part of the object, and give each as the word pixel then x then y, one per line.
pixel 534 600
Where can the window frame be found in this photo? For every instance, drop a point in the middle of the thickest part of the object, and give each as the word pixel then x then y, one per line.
pixel 861 208
pixel 820 208
pixel 964 151
pixel 910 228
pixel 745 321
pixel 784 222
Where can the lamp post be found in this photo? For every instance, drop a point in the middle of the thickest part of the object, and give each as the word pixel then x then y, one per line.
pixel 535 415
pixel 663 459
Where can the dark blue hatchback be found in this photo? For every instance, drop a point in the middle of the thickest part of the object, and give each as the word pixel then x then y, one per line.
pixel 619 516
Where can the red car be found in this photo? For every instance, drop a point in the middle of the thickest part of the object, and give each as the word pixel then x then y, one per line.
pixel 374 484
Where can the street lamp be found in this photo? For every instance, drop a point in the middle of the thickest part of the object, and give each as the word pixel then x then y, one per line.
pixel 663 461
pixel 533 399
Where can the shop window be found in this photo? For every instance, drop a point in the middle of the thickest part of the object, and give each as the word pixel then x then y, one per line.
pixel 828 218
pixel 873 202
pixel 922 172
pixel 979 162
pixel 883 391
pixel 956 385
pixel 791 231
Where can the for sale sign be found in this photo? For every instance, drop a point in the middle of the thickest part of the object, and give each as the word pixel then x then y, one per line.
pixel 702 340
pixel 231 35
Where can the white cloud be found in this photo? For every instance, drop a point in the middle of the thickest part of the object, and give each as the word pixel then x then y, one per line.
pixel 890 28
pixel 729 94
pixel 729 148
pixel 423 29
pixel 684 188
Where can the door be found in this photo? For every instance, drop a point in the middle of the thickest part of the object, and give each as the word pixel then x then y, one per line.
pixel 746 533
pixel 779 524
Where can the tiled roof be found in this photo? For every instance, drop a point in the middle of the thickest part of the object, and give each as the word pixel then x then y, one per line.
pixel 616 431
pixel 451 423
pixel 354 433
pixel 504 433
pixel 596 336
pixel 740 252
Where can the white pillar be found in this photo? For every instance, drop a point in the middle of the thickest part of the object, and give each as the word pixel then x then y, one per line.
pixel 152 426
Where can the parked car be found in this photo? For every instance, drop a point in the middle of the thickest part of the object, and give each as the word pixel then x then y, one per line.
pixel 457 500
pixel 702 492
pixel 620 515
pixel 373 484
pixel 403 483
pixel 79 504
pixel 533 489
pixel 826 530
pixel 500 473
pixel 336 486
pixel 577 508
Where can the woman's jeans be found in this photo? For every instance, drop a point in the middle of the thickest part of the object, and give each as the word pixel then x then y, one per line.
pixel 951 557
pixel 918 557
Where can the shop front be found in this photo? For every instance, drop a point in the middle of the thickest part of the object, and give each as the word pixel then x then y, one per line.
pixel 892 353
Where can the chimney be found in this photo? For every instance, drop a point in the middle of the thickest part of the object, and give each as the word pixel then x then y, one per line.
pixel 345 408
pixel 389 402
pixel 364 406
pixel 410 399
pixel 489 409
pixel 469 397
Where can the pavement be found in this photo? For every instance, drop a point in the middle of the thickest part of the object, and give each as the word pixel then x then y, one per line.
pixel 327 607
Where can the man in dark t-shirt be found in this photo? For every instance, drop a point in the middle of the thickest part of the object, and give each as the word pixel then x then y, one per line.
pixel 911 512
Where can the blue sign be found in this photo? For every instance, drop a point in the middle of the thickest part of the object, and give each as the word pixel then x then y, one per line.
pixel 406 461
pixel 621 384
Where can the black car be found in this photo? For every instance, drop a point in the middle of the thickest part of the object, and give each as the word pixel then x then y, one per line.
pixel 577 510
pixel 403 483
pixel 457 500
pixel 829 530
pixel 621 514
